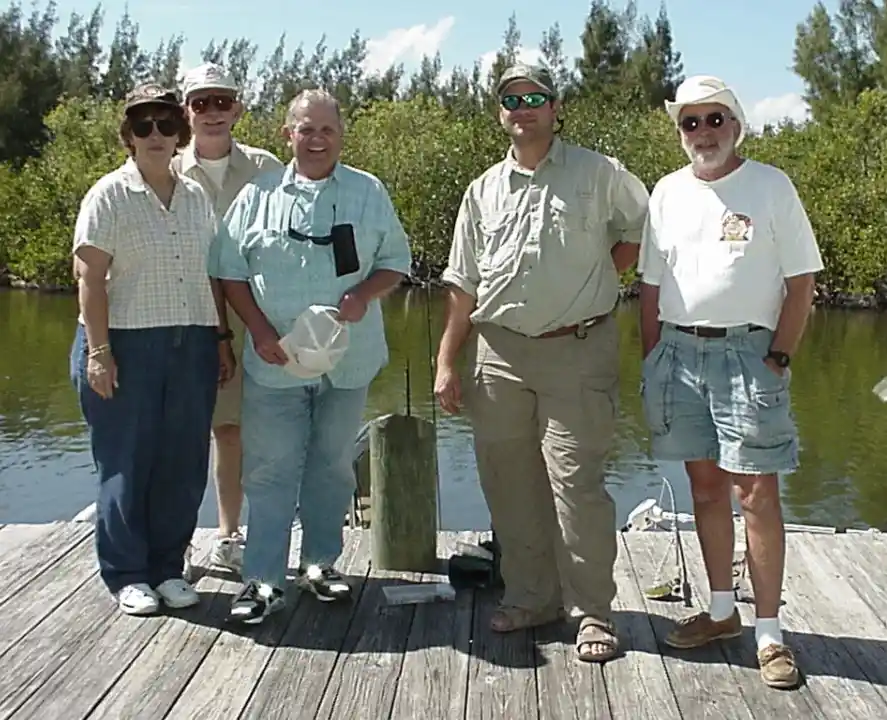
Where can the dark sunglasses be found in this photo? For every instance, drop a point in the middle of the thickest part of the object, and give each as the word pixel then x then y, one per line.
pixel 222 103
pixel 532 100
pixel 302 237
pixel 714 120
pixel 165 126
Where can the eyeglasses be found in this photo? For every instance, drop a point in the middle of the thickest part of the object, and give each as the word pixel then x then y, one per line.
pixel 531 100
pixel 302 237
pixel 715 120
pixel 168 127
pixel 222 103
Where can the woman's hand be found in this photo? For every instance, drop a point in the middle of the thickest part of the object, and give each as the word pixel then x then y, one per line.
pixel 101 372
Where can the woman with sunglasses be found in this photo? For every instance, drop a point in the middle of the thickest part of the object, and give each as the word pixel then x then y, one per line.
pixel 145 360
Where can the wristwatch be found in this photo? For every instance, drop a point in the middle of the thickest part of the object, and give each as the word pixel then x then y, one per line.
pixel 780 358
pixel 227 335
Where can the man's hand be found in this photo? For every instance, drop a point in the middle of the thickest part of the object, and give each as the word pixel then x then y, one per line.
pixel 771 363
pixel 266 341
pixel 448 389
pixel 352 307
pixel 227 363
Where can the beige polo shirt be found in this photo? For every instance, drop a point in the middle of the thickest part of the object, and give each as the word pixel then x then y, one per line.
pixel 533 247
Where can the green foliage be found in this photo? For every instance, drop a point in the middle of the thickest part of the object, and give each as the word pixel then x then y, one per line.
pixel 426 154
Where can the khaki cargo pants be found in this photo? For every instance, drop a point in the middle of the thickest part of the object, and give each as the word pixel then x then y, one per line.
pixel 543 413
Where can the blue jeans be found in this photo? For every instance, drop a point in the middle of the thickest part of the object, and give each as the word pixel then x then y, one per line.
pixel 298 450
pixel 716 399
pixel 150 443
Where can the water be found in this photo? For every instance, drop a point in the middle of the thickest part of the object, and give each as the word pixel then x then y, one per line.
pixel 46 471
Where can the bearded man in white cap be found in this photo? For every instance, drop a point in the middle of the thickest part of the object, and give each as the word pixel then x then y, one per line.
pixel 222 166
pixel 728 260
pixel 317 233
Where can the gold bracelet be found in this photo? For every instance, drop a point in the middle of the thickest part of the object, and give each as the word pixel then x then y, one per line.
pixel 98 350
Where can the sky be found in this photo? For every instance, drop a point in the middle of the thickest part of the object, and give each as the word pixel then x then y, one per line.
pixel 749 44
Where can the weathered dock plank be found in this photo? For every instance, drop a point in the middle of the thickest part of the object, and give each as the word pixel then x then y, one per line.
pixel 704 683
pixel 102 653
pixel 819 605
pixel 37 554
pixel 71 654
pixel 637 684
pixel 295 677
pixel 502 668
pixel 150 686
pixel 740 654
pixel 434 676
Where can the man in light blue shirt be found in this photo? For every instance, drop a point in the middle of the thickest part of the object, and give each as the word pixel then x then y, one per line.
pixel 281 249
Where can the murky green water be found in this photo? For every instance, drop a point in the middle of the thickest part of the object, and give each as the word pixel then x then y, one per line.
pixel 46 471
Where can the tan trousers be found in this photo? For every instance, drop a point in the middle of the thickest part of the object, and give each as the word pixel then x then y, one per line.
pixel 543 413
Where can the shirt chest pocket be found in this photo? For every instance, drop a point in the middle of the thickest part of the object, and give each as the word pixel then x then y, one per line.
pixel 569 215
pixel 499 242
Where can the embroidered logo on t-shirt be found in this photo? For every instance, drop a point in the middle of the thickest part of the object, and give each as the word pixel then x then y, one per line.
pixel 735 227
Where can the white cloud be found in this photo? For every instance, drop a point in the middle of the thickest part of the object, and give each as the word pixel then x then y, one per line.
pixel 410 43
pixel 527 55
pixel 772 110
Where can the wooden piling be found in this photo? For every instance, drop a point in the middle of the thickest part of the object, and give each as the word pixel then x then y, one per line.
pixel 403 494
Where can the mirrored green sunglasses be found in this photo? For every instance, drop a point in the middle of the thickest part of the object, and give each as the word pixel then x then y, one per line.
pixel 533 100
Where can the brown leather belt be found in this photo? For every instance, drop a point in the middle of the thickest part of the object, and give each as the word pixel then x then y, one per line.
pixel 711 332
pixel 580 330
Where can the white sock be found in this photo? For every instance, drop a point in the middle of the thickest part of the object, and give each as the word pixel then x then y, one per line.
pixel 767 632
pixel 722 604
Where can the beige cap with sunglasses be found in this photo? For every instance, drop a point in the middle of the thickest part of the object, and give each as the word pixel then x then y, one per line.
pixel 707 89
pixel 208 76
pixel 536 74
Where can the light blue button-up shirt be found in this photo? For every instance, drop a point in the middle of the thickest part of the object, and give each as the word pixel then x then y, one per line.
pixel 288 275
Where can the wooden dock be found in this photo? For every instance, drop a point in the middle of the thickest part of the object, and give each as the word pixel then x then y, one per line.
pixel 66 652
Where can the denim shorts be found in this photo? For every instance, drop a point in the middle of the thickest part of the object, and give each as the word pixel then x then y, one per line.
pixel 716 399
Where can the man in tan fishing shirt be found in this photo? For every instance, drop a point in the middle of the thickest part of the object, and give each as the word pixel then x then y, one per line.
pixel 533 277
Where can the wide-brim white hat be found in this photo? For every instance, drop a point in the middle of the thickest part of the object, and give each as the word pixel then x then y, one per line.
pixel 706 89
pixel 317 342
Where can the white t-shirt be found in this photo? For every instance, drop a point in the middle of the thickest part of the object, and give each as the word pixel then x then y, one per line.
pixel 720 251
pixel 215 168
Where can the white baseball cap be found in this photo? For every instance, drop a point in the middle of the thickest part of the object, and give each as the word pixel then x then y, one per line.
pixel 316 343
pixel 702 89
pixel 208 76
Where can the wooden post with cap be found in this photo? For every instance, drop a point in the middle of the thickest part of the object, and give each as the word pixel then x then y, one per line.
pixel 403 493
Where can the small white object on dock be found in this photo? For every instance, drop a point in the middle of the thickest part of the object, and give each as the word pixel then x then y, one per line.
pixel 418 593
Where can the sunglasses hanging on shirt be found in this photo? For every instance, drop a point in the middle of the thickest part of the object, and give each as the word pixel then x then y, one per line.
pixel 341 237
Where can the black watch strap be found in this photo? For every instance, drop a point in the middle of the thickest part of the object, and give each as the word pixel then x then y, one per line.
pixel 227 335
pixel 780 358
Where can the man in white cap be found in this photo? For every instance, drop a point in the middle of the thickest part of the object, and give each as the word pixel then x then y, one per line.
pixel 317 233
pixel 533 277
pixel 222 166
pixel 728 262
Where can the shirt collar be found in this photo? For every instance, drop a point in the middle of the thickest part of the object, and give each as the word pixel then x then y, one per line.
pixel 132 177
pixel 289 175
pixel 238 160
pixel 556 155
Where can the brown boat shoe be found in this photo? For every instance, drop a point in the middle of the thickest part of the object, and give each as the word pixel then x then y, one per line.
pixel 778 667
pixel 698 630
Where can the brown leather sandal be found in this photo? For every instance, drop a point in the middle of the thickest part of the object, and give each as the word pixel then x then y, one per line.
pixel 596 641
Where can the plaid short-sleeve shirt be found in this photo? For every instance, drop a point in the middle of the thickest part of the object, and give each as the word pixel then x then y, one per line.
pixel 159 268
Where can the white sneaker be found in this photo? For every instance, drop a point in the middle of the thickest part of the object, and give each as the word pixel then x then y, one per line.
pixel 227 552
pixel 138 599
pixel 176 593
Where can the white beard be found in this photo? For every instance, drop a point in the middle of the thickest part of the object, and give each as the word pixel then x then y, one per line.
pixel 708 160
